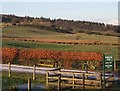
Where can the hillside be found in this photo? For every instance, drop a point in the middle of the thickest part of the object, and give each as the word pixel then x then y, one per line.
pixel 62 26
pixel 43 35
pixel 27 33
pixel 24 31
pixel 36 38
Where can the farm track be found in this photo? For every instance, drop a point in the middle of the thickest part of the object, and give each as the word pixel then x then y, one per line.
pixel 85 42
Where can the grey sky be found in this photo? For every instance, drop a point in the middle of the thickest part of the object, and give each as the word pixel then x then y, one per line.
pixel 106 12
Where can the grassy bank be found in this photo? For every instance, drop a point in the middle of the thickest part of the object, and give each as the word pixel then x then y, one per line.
pixel 18 79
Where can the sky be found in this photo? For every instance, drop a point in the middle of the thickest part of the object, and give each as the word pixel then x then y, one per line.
pixel 106 12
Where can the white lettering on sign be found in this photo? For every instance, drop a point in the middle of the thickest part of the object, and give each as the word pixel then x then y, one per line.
pixel 108 65
pixel 110 62
pixel 108 57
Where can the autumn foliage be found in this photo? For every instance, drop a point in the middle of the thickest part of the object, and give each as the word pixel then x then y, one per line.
pixel 9 54
pixel 33 53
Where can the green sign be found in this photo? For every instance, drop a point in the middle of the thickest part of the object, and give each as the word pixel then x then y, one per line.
pixel 108 62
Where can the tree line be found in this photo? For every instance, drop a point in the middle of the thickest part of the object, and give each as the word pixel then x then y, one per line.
pixel 62 25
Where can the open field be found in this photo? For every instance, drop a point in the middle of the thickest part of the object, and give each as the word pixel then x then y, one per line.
pixel 29 32
pixel 62 47
pixel 60 41
pixel 43 35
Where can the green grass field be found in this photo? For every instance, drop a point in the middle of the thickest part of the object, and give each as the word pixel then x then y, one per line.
pixel 23 31
pixel 62 47
pixel 30 32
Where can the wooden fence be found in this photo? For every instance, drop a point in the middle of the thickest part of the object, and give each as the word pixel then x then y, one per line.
pixel 77 80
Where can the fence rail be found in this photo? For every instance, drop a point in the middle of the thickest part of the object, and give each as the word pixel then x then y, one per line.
pixel 62 78
pixel 77 79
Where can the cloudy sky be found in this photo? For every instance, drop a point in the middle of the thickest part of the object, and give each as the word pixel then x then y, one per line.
pixel 106 12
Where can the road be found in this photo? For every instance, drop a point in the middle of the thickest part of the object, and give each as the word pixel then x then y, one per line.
pixel 24 69
pixel 42 70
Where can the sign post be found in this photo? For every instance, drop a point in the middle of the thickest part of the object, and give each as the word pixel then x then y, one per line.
pixel 108 65
pixel 103 71
pixel 109 62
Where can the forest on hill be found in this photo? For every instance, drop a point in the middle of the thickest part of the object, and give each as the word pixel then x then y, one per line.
pixel 62 26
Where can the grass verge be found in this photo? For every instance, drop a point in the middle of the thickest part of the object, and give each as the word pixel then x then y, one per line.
pixel 18 79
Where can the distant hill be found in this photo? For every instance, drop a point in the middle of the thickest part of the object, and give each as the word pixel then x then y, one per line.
pixel 26 32
pixel 61 25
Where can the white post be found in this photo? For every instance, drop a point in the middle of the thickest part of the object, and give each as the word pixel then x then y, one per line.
pixel 47 79
pixel 9 69
pixel 34 72
pixel 29 84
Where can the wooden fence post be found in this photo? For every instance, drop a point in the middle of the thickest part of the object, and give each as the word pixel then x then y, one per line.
pixel 83 81
pixel 59 81
pixel 34 72
pixel 9 69
pixel 73 80
pixel 29 84
pixel 47 79
pixel 101 86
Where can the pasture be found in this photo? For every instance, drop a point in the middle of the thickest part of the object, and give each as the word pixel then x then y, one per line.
pixel 30 32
